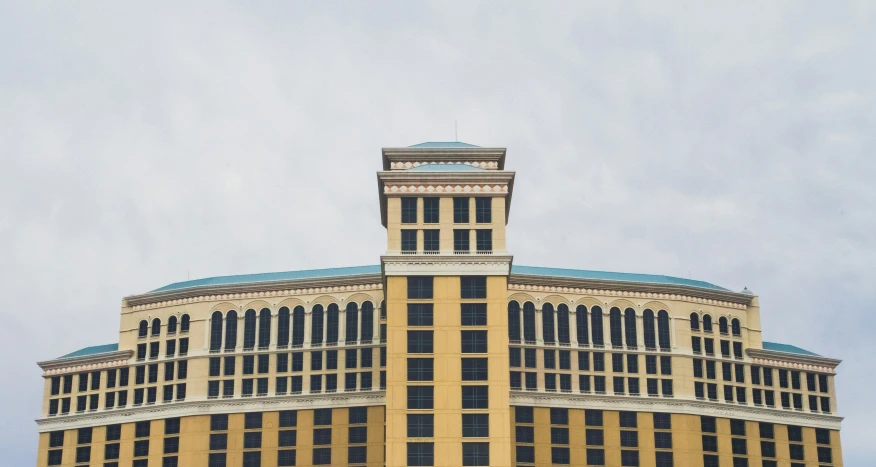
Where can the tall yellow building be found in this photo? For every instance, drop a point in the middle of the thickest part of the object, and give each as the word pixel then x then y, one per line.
pixel 445 354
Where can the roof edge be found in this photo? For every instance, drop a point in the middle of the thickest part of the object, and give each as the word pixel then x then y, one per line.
pixel 794 357
pixel 104 357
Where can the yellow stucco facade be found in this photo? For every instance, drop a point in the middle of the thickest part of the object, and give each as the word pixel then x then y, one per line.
pixel 527 366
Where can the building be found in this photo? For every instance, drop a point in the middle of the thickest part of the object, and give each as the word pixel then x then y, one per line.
pixel 444 354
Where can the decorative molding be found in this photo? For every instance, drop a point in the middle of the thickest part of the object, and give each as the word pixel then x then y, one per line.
pixel 480 164
pixel 628 290
pixel 453 265
pixel 205 406
pixel 674 405
pixel 795 361
pixel 86 363
pixel 256 294
pixel 391 189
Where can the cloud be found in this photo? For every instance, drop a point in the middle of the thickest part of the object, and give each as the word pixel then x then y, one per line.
pixel 145 144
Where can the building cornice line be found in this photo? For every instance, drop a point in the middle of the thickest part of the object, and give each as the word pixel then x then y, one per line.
pixel 86 363
pixel 790 360
pixel 674 405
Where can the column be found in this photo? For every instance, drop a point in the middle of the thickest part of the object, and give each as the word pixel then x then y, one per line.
pixel 573 327
pixel 556 327
pixel 640 329
pixel 308 327
pixel 375 324
pixel 539 337
pixel 342 324
pixel 275 330
pixel 359 325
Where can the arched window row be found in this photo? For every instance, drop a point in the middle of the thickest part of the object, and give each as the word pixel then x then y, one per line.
pixel 153 328
pixel 291 327
pixel 725 326
pixel 556 326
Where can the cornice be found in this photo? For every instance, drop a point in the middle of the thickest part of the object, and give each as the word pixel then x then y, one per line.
pixel 794 361
pixel 446 265
pixel 255 290
pixel 205 406
pixel 86 363
pixel 526 282
pixel 674 405
pixel 391 155
pixel 450 161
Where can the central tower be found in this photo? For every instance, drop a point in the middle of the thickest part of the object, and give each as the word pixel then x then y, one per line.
pixel 445 207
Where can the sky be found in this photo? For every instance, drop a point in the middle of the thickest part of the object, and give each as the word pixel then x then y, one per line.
pixel 144 144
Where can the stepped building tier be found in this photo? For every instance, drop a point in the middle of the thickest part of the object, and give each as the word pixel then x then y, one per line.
pixel 446 353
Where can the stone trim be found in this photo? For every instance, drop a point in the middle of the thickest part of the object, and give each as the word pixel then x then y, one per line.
pixel 674 405
pixel 401 188
pixel 86 363
pixel 446 265
pixel 395 155
pixel 793 361
pixel 529 283
pixel 404 165
pixel 255 290
pixel 205 406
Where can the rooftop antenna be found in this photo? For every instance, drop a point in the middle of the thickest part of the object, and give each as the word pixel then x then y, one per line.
pixel 455 132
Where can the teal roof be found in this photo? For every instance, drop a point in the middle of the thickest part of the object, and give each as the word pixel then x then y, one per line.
pixel 375 269
pixel 93 350
pixel 612 276
pixel 441 167
pixel 443 145
pixel 271 277
pixel 787 348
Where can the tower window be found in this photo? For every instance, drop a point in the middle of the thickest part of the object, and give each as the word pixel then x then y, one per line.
pixel 430 210
pixel 484 239
pixel 461 240
pixel 419 287
pixel 409 240
pixel 460 211
pixel 431 240
pixel 483 210
pixel 473 286
pixel 409 211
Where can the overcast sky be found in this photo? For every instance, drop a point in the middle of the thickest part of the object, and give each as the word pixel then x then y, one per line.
pixel 145 145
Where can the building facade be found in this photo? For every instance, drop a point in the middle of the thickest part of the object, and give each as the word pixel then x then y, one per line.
pixel 444 354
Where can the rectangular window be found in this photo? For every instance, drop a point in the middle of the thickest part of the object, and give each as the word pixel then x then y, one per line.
pixel 550 359
pixel 460 210
pixel 420 341
pixel 287 438
pixel 474 341
pixel 357 454
pixel 662 440
pixel 322 436
pixel 665 365
pixel 662 421
pixel 322 417
pixel 524 434
pixel 322 456
pixel 474 369
pixel 431 240
pixel 431 210
pixel 633 386
pixel 652 386
pixel 421 454
pixel 529 359
pixel 420 369
pixel 419 287
pixel 252 421
pixel 524 415
pixel 617 363
pixel 473 287
pixel 598 361
pixel 767 376
pixel 632 363
pixel 461 240
pixel 593 417
pixel 483 210
pixel 476 454
pixel 484 238
pixel 594 437
pixel 408 240
pixel 525 454
pixel 651 364
pixel 298 361
pixel 286 457
pixel 350 356
pixel 421 397
pixel 475 425
pixel 710 443
pixel 599 384
pixel 474 314
pixel 421 426
pixel 474 397
pixel 618 385
pixel 408 210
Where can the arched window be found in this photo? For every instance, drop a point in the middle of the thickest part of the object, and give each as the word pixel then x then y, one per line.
pixel 231 330
pixel 529 322
pixel 249 329
pixel 171 325
pixel 563 323
pixel 216 330
pixel 316 317
pixel 596 326
pixel 581 322
pixel 736 327
pixel 722 325
pixel 352 325
pixel 547 323
pixel 694 321
pixel 184 323
pixel 707 323
pixel 331 320
pixel 283 327
pixel 648 328
pixel 265 328
pixel 630 327
pixel 663 329
pixel 367 322
pixel 615 327
pixel 513 321
pixel 143 329
pixel 156 327
pixel 298 326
